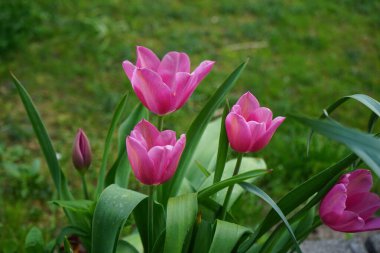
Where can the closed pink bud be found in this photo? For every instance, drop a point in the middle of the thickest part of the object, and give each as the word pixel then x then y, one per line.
pixel 81 155
pixel 349 206
pixel 154 155
pixel 164 86
pixel 250 127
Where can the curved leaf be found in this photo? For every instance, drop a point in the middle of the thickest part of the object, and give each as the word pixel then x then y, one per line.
pixel 230 181
pixel 34 241
pixel 258 192
pixel 197 127
pixel 114 206
pixel 226 236
pixel 181 214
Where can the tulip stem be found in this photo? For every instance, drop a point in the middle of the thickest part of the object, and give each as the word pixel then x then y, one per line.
pixel 160 122
pixel 150 217
pixel 84 185
pixel 231 187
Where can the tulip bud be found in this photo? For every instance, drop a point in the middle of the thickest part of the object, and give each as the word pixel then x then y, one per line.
pixel 350 206
pixel 250 127
pixel 154 155
pixel 81 155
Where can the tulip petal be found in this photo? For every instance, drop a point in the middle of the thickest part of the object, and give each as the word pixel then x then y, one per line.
pixel 238 132
pixel 359 181
pixel 257 130
pixel 261 114
pixel 160 157
pixel 172 63
pixel 152 92
pixel 364 204
pixel 372 224
pixel 265 138
pixel 334 201
pixel 167 137
pixel 146 133
pixel 181 91
pixel 344 222
pixel 147 59
pixel 175 155
pixel 248 104
pixel 129 68
pixel 202 71
pixel 141 164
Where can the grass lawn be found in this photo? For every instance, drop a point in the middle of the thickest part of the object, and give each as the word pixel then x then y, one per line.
pixel 303 56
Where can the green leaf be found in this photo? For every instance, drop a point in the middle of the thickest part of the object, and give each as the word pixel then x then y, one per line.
pixel 81 205
pixel 140 214
pixel 258 192
pixel 223 146
pixel 181 213
pixel 67 246
pixel 196 129
pixel 71 230
pixel 247 164
pixel 125 247
pixel 107 147
pixel 297 196
pixel 226 236
pixel 230 181
pixel 365 145
pixel 44 141
pixel 114 206
pixel 120 170
pixel 34 241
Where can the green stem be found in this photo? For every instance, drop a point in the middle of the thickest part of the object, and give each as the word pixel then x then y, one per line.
pixel 160 122
pixel 150 217
pixel 230 189
pixel 84 185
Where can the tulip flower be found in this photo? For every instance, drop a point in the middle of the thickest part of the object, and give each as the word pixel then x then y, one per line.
pixel 153 155
pixel 164 86
pixel 349 206
pixel 250 127
pixel 81 154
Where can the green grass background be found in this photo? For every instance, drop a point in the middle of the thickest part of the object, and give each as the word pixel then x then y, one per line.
pixel 303 56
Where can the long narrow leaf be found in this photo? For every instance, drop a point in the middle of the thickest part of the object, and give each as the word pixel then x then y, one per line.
pixel 197 127
pixel 223 147
pixel 366 146
pixel 107 147
pixel 44 141
pixel 230 181
pixel 181 214
pixel 114 206
pixel 258 192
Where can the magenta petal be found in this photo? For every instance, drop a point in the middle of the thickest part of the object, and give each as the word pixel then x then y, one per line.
pixel 202 71
pixel 129 68
pixel 364 204
pixel 172 63
pixel 167 137
pixel 175 155
pixel 359 181
pixel 248 104
pixel 146 132
pixel 159 155
pixel 334 201
pixel 265 138
pixel 238 132
pixel 261 114
pixel 372 224
pixel 347 222
pixel 152 92
pixel 147 59
pixel 140 162
pixel 257 131
pixel 180 89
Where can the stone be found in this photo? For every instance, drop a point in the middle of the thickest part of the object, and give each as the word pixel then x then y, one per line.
pixel 334 246
pixel 373 243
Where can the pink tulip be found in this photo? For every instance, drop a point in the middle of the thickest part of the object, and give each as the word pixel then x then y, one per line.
pixel 249 126
pixel 81 154
pixel 349 206
pixel 164 86
pixel 154 155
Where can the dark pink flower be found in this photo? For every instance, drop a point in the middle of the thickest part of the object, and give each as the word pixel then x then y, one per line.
pixel 349 206
pixel 250 127
pixel 81 154
pixel 164 86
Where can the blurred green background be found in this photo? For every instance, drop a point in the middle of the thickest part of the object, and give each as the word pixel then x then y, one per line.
pixel 303 56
